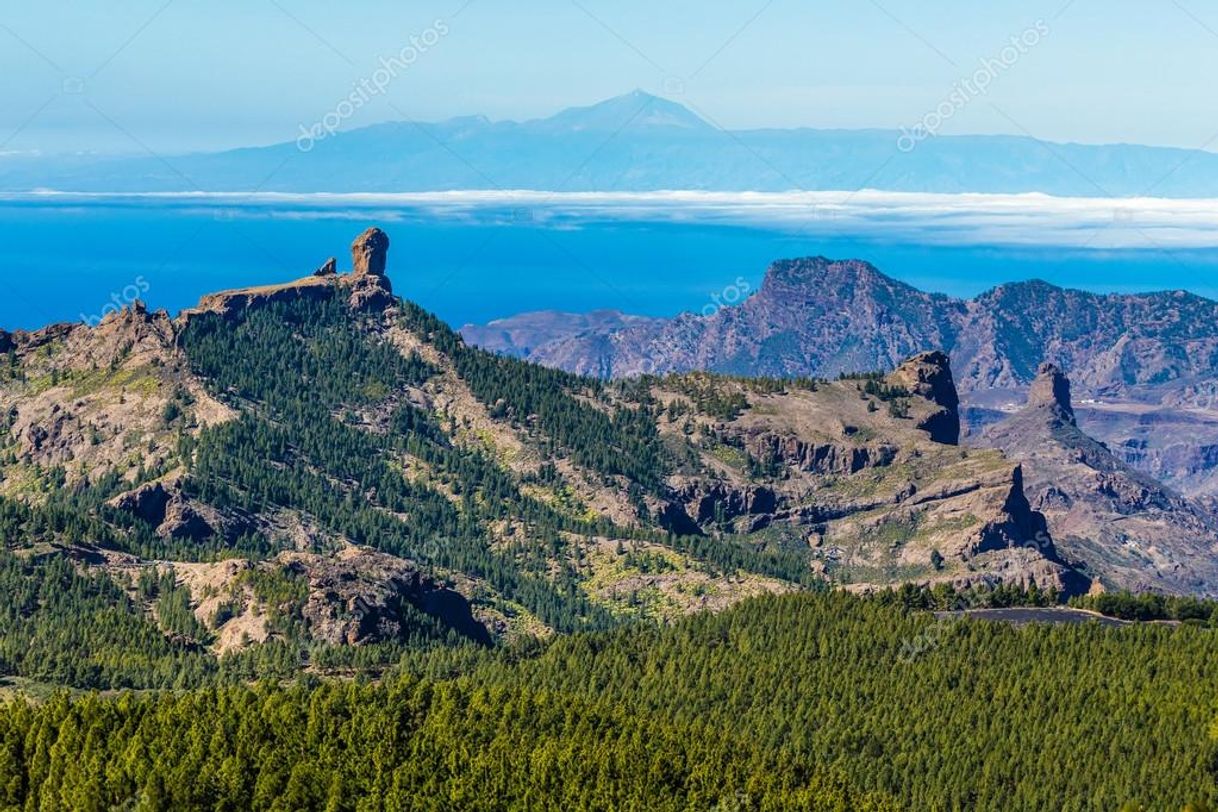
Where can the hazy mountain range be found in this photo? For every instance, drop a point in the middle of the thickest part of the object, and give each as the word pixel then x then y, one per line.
pixel 634 142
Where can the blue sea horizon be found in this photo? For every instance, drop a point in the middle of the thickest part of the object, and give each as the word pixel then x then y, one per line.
pixel 74 259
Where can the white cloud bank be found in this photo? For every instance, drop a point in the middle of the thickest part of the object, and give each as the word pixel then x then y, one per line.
pixel 940 219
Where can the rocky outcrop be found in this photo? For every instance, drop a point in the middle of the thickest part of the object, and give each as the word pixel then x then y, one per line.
pixel 1018 525
pixel 233 302
pixel 360 597
pixel 369 253
pixel 370 288
pixel 818 458
pixel 929 376
pixel 6 341
pixel 1134 531
pixel 147 502
pixel 710 502
pixel 165 505
pixel 1051 392
pixel 367 286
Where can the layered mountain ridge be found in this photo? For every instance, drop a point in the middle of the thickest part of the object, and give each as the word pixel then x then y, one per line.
pixel 817 316
pixel 1145 365
pixel 1102 510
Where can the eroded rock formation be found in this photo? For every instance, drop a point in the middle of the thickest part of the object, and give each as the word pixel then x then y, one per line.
pixel 929 376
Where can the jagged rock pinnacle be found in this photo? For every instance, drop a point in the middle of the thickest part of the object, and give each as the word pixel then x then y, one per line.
pixel 368 253
pixel 330 268
pixel 1051 390
pixel 929 375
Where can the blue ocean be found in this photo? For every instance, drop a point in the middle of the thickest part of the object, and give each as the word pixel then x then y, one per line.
pixel 73 259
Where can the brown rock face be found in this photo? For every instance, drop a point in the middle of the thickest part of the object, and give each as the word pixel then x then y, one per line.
pixel 367 286
pixel 1134 532
pixel 164 505
pixel 1051 390
pixel 369 252
pixel 361 597
pixel 819 458
pixel 370 288
pixel 929 375
pixel 706 502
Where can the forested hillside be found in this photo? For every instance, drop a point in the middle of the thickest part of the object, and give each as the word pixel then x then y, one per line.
pixel 797 702
pixel 319 477
pixel 338 559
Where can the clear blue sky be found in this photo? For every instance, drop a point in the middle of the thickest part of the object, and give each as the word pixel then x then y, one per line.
pixel 203 74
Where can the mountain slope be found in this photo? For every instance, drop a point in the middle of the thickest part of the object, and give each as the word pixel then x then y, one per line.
pixel 1100 509
pixel 636 142
pixel 320 472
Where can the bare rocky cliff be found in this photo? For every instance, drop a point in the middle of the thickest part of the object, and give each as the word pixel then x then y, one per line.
pixel 874 484
pixel 367 285
pixel 1133 531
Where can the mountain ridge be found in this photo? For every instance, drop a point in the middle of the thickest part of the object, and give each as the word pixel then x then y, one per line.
pixel 1145 364
pixel 634 142
pixel 818 288
pixel 324 472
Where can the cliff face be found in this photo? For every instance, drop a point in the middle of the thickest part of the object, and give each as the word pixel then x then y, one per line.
pixel 367 286
pixel 1133 530
pixel 867 475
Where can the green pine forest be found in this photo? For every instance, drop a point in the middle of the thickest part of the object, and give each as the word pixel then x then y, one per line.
pixel 808 701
